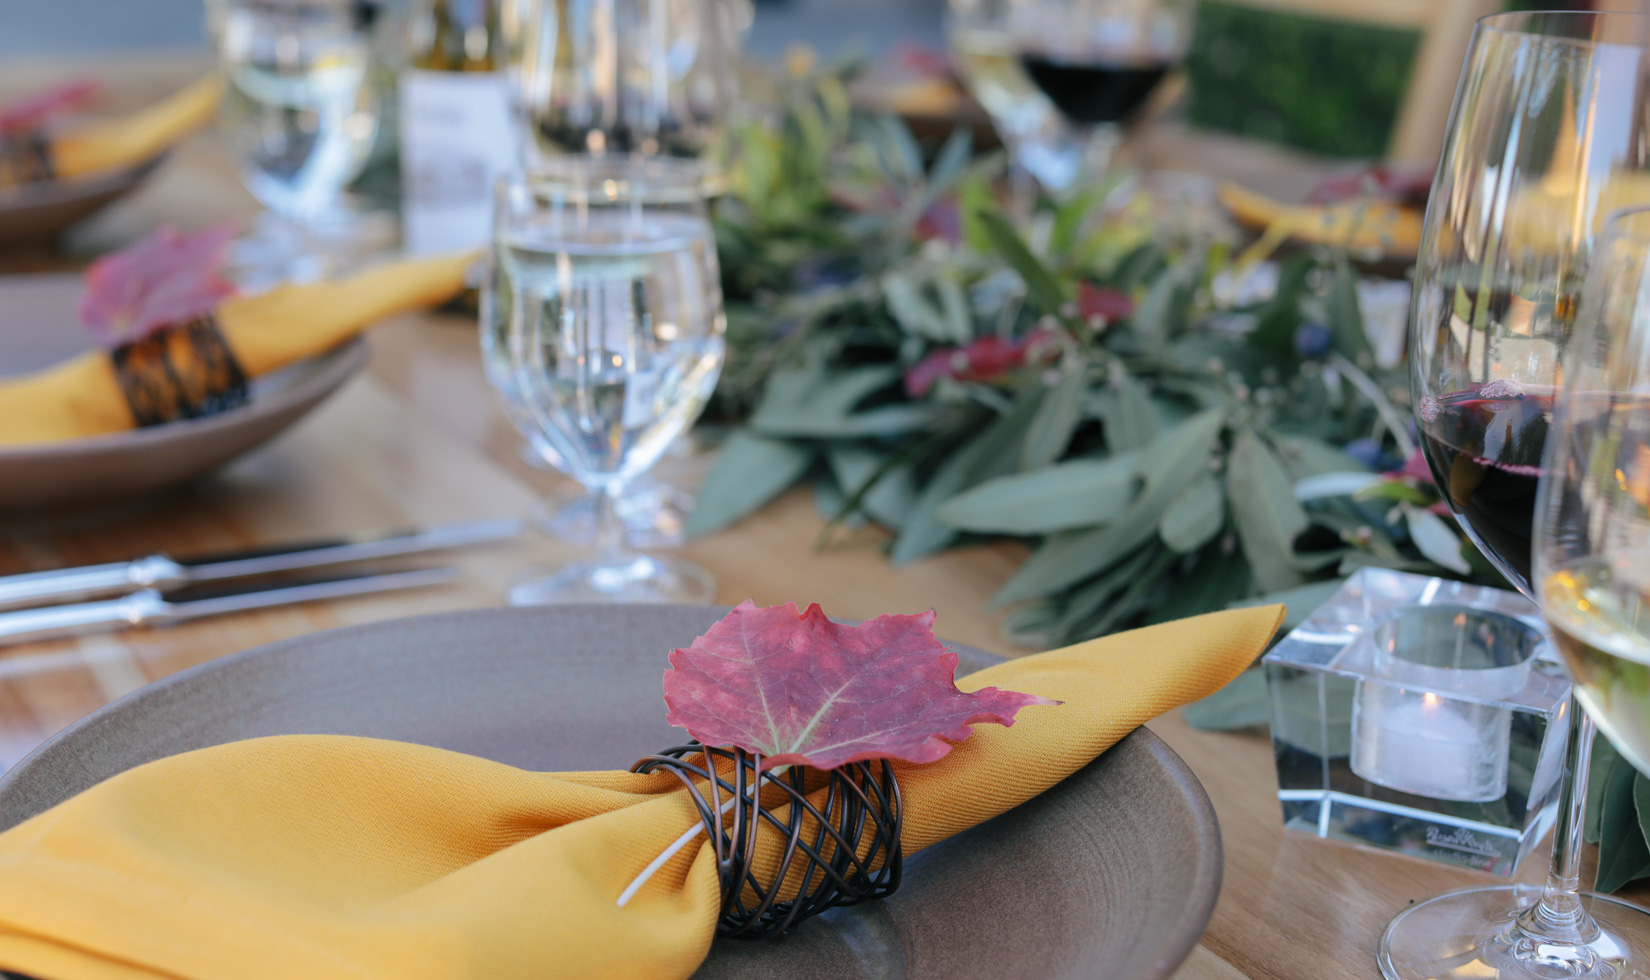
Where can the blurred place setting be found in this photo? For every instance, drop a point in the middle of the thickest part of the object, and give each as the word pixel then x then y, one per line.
pixel 1080 468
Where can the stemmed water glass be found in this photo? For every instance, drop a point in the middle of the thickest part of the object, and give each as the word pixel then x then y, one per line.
pixel 299 117
pixel 1544 141
pixel 602 331
pixel 1098 61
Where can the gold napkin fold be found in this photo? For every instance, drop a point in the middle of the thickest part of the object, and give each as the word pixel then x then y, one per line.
pixel 327 856
pixel 81 397
pixel 129 140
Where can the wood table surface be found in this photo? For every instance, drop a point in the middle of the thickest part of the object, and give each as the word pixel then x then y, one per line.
pixel 419 439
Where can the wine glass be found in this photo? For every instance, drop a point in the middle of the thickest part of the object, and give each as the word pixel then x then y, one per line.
pixel 1544 141
pixel 650 77
pixel 1040 143
pixel 603 333
pixel 1098 61
pixel 1592 533
pixel 299 118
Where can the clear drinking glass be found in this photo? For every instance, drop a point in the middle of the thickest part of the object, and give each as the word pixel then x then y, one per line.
pixel 649 77
pixel 1098 61
pixel 1545 139
pixel 602 331
pixel 299 118
pixel 1040 143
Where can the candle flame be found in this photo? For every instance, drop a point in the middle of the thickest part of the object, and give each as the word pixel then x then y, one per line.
pixel 1430 699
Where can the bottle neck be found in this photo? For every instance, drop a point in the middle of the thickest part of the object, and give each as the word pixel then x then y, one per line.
pixel 457 36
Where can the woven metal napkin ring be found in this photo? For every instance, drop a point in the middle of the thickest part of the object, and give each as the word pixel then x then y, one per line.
pixel 183 371
pixel 25 157
pixel 841 852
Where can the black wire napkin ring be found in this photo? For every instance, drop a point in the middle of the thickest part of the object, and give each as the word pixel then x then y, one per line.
pixel 26 157
pixel 183 371
pixel 851 852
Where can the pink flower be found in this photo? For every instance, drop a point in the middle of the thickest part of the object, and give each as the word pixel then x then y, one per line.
pixel 1103 301
pixel 921 60
pixel 982 359
pixel 167 278
pixel 1416 468
pixel 34 110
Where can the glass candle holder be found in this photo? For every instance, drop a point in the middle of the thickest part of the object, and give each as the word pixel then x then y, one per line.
pixel 1421 716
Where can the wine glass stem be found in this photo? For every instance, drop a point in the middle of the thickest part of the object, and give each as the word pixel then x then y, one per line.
pixel 610 547
pixel 1559 916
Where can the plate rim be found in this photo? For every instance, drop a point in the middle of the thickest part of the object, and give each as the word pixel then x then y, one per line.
pixel 1207 844
pixel 334 367
pixel 48 193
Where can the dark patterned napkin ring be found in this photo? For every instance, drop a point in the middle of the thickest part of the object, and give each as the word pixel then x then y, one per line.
pixel 842 852
pixel 183 371
pixel 25 157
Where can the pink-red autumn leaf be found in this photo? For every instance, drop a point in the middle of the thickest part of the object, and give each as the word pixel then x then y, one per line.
pixel 167 278
pixel 37 109
pixel 801 690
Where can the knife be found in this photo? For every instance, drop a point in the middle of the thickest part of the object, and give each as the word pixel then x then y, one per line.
pixel 148 607
pixel 162 572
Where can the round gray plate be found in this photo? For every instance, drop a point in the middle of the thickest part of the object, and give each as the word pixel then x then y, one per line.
pixel 36 211
pixel 1112 874
pixel 39 327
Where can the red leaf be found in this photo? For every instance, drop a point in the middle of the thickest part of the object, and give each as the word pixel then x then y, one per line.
pixel 802 690
pixel 34 110
pixel 1113 304
pixel 166 278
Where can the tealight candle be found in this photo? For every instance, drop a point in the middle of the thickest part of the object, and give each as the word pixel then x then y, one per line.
pixel 1428 723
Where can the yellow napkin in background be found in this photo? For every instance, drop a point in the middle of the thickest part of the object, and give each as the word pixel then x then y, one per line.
pixel 1363 226
pixel 328 856
pixel 81 398
pixel 135 138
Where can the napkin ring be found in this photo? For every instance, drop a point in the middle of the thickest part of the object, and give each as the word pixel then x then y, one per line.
pixel 841 852
pixel 183 371
pixel 25 157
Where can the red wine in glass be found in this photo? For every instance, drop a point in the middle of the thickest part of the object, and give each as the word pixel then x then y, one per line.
pixel 1484 445
pixel 1094 91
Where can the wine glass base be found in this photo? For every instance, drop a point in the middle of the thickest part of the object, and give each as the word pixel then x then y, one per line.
pixel 1474 933
pixel 641 579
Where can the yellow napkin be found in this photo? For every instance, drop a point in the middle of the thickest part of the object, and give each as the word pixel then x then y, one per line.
pixel 326 856
pixel 1362 226
pixel 81 398
pixel 138 137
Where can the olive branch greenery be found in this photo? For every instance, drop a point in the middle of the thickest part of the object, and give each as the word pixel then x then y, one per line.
pixel 1215 445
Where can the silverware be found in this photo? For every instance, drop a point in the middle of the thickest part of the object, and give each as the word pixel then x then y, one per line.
pixel 162 572
pixel 149 608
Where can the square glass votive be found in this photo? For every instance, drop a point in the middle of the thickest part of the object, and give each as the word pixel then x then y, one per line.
pixel 1423 716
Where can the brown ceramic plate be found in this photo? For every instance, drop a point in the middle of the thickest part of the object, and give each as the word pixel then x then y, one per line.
pixel 39 327
pixel 31 212
pixel 1111 875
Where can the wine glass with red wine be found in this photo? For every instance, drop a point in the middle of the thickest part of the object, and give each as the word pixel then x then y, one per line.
pixel 1546 138
pixel 1099 61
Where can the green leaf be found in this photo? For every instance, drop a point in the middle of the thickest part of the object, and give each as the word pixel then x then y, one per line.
pixel 1299 602
pixel 1217 580
pixel 1623 854
pixel 1435 539
pixel 1265 511
pixel 1079 493
pixel 1068 218
pixel 893 495
pixel 975 199
pixel 1195 517
pixel 810 402
pixel 1056 420
pixel 1173 460
pixel 992 453
pixel 1396 491
pixel 1346 319
pixel 748 472
pixel 1090 597
pixel 952 160
pixel 1041 286
pixel 828 501
pixel 1151 317
pixel 1127 412
pixel 914 312
pixel 1322 485
pixel 1240 704
pixel 1304 456
pixel 954 306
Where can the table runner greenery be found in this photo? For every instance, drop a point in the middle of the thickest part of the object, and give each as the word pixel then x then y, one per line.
pixel 1107 378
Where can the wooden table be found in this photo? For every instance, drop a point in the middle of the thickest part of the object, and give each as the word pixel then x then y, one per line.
pixel 419 439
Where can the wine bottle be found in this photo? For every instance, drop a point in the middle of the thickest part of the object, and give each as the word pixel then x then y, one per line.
pixel 458 128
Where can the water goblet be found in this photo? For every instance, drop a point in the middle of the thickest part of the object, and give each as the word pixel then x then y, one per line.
pixel 603 335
